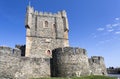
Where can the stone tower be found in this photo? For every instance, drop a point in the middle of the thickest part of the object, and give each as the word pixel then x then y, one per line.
pixel 44 32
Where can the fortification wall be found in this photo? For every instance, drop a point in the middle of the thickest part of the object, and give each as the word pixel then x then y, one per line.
pixel 4 51
pixel 12 66
pixel 97 65
pixel 22 48
pixel 69 62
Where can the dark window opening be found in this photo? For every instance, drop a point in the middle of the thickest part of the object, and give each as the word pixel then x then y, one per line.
pixel 46 24
pixel 35 23
pixel 27 26
pixel 48 52
pixel 84 51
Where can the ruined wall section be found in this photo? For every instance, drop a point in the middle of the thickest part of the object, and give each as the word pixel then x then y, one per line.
pixel 69 61
pixel 97 65
pixel 45 31
pixel 12 66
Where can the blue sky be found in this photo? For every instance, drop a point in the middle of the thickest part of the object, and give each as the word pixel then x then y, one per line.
pixel 94 24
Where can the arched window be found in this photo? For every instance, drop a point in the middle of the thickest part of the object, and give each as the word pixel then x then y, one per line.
pixel 46 23
pixel 53 25
pixel 48 52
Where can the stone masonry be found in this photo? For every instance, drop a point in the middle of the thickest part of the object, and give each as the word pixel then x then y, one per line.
pixel 47 52
pixel 44 32
pixel 69 61
pixel 13 66
pixel 97 65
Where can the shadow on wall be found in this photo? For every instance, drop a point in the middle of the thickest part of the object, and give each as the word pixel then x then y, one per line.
pixel 22 48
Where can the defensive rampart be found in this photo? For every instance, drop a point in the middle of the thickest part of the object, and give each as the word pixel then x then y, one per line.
pixel 15 67
pixel 97 65
pixel 69 62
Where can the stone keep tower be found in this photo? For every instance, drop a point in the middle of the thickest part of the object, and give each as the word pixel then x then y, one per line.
pixel 44 32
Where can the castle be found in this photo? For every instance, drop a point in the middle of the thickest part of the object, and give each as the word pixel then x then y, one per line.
pixel 47 52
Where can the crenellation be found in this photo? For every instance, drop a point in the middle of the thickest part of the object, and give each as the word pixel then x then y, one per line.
pixel 36 12
pixel 71 61
pixel 47 49
pixel 40 13
pixel 7 51
pixel 50 14
pixel 44 26
pixel 97 65
pixel 63 13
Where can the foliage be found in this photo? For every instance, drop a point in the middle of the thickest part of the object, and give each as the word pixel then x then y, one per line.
pixel 84 77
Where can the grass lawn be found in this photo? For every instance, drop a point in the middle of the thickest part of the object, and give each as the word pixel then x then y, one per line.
pixel 86 77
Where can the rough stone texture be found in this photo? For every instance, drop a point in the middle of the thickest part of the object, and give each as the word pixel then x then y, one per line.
pixel 12 66
pixel 9 51
pixel 97 65
pixel 69 61
pixel 45 31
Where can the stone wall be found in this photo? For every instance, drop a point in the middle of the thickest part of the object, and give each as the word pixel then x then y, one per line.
pixel 69 61
pixel 66 62
pixel 97 65
pixel 16 67
pixel 7 51
pixel 45 31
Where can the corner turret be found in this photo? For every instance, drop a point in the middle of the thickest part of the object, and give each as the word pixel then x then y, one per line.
pixel 66 27
pixel 29 12
pixel 97 65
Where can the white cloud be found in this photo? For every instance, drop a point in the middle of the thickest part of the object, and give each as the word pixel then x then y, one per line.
pixel 118 32
pixel 117 18
pixel 116 24
pixel 108 33
pixel 110 30
pixel 100 29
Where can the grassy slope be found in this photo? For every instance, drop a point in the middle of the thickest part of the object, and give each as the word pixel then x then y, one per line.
pixel 86 77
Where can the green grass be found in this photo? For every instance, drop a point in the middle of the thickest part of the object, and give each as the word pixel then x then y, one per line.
pixel 84 77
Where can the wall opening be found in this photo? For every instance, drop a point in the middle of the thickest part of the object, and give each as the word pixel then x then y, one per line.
pixel 27 27
pixel 46 23
pixel 48 52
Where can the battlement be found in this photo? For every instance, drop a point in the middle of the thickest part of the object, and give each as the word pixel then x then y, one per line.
pixel 9 51
pixel 31 10
pixel 97 66
pixel 96 59
pixel 70 50
pixel 68 61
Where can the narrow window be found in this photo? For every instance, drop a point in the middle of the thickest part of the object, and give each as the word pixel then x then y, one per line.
pixel 46 23
pixel 35 23
pixel 84 51
pixel 54 26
